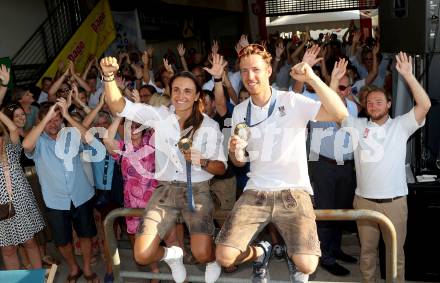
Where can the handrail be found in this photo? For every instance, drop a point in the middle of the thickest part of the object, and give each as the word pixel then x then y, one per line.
pixel 42 47
pixel 387 228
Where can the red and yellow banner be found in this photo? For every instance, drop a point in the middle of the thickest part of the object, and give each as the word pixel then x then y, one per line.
pixel 90 40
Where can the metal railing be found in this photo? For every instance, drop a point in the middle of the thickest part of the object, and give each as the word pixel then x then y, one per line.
pixel 387 228
pixel 38 52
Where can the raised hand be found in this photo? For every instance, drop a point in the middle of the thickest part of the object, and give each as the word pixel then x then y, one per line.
pixel 403 64
pixel 311 54
pixel 71 67
pixel 181 50
pixel 109 66
pixel 214 47
pixel 137 71
pixel 4 74
pixel 243 41
pixel 64 104
pixel 53 111
pixel 264 44
pixel 339 69
pixel 302 72
pixel 357 36
pixel 74 93
pixel 279 50
pixel 145 58
pixel 376 49
pixel 218 66
pixel 150 51
pixel 168 67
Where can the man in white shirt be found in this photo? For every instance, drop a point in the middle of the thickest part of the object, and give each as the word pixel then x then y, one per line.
pixel 279 189
pixel 46 83
pixel 380 166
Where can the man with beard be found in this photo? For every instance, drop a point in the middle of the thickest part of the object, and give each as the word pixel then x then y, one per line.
pixel 380 166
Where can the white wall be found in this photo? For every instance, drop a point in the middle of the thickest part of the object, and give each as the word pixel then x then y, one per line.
pixel 19 20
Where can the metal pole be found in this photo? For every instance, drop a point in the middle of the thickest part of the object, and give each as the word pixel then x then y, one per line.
pixel 387 228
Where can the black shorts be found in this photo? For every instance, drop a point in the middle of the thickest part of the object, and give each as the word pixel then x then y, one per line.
pixel 61 222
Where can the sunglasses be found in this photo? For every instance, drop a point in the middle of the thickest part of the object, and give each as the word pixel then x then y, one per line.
pixel 12 107
pixel 342 87
pixel 253 47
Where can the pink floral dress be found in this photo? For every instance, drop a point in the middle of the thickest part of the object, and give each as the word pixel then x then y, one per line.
pixel 138 166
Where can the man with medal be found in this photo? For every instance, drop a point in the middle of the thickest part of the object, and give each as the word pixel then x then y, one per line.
pixel 270 133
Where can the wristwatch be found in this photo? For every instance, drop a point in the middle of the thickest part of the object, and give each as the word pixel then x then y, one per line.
pixel 204 163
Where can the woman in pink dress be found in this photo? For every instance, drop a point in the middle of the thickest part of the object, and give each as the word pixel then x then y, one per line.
pixel 136 159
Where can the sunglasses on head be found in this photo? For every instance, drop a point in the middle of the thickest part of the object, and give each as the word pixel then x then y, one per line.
pixel 12 107
pixel 342 87
pixel 254 47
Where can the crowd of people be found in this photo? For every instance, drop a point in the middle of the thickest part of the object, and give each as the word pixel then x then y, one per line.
pixel 280 129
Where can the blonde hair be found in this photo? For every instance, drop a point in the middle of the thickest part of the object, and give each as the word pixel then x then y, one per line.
pixel 157 100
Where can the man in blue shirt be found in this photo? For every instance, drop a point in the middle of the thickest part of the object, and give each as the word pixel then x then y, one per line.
pixel 66 190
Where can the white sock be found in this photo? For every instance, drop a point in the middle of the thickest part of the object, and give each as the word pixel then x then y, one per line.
pixel 213 272
pixel 170 253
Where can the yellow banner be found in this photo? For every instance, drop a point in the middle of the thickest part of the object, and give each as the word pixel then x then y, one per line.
pixel 90 40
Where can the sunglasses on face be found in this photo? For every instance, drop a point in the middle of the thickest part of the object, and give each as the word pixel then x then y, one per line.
pixel 342 87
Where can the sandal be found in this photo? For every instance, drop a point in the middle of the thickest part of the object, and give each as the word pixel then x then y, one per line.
pixel 74 277
pixel 91 278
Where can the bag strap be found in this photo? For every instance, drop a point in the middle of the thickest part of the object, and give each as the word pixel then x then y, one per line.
pixel 7 173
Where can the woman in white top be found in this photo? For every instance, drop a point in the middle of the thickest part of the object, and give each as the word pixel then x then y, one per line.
pixel 204 159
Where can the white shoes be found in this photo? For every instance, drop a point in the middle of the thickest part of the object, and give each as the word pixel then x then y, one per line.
pixel 174 258
pixel 212 272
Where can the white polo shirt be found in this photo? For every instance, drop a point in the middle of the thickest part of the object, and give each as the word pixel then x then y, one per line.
pixel 170 163
pixel 277 147
pixel 379 154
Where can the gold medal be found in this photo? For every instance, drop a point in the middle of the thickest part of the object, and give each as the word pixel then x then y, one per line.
pixel 184 144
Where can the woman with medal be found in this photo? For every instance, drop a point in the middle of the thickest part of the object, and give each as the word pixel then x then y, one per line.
pixel 188 154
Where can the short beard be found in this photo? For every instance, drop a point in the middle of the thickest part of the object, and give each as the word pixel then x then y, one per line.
pixel 379 116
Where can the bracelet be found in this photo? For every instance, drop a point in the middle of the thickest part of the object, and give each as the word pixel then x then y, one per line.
pixel 108 78
pixel 217 80
pixel 277 59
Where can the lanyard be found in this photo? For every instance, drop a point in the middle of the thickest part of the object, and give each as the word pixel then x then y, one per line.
pixel 273 101
pixel 189 192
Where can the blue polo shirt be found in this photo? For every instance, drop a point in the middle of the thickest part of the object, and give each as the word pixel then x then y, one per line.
pixel 62 180
pixel 329 145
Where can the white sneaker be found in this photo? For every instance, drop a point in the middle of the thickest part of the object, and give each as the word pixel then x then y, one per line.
pixel 212 272
pixel 174 259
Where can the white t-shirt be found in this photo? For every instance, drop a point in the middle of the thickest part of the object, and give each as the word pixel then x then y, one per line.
pixel 277 146
pixel 379 154
pixel 43 97
pixel 170 163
